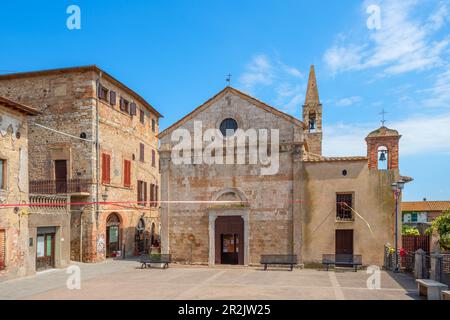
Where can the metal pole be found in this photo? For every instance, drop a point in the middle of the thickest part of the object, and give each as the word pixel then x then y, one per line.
pixel 396 231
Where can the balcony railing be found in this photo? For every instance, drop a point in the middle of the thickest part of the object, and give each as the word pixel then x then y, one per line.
pixel 60 186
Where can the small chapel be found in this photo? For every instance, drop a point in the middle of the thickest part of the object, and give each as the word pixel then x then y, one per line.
pixel 231 213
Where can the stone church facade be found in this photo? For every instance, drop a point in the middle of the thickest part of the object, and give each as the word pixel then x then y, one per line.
pixel 216 212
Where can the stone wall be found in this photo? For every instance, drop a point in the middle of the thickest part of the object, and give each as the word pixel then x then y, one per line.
pixel 13 221
pixel 269 198
pixel 68 100
pixel 373 201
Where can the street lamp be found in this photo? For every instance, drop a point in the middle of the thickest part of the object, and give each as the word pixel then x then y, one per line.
pixel 397 188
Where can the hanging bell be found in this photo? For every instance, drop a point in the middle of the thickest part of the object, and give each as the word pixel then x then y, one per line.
pixel 383 156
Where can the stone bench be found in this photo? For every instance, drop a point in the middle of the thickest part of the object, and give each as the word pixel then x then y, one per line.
pixel 430 288
pixel 445 295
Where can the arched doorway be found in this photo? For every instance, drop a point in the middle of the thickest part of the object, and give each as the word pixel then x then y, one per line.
pixel 112 235
pixel 140 238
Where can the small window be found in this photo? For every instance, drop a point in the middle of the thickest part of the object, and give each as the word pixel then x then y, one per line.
pixel 414 216
pixel 124 105
pixel 344 206
pixel 103 93
pixel 153 125
pixel 228 127
pixel 2 174
pixel 141 152
pixel 153 158
pixel 312 121
pixel 142 116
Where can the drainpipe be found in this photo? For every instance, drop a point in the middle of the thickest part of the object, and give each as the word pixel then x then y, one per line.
pixel 97 146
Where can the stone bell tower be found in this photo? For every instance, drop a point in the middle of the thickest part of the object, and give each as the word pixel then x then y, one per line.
pixel 312 115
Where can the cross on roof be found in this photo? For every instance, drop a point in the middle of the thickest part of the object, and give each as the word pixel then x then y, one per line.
pixel 228 79
pixel 383 120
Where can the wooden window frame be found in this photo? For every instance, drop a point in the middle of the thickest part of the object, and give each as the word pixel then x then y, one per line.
pixel 124 105
pixel 142 193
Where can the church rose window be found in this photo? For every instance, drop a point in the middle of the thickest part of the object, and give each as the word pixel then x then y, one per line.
pixel 228 127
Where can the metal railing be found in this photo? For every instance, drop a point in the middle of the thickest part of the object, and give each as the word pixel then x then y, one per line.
pixel 59 186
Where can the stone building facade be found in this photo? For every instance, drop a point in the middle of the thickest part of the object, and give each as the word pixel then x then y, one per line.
pixel 14 257
pixel 228 213
pixel 95 142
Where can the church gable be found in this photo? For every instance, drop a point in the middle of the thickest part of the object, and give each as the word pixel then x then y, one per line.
pixel 241 110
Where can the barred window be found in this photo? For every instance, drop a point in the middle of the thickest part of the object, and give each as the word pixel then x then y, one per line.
pixel 344 205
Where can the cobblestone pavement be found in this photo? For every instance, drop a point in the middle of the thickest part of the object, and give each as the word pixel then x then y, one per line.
pixel 125 280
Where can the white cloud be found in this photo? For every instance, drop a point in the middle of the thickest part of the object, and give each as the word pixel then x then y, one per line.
pixel 421 134
pixel 349 101
pixel 403 43
pixel 285 81
pixel 439 94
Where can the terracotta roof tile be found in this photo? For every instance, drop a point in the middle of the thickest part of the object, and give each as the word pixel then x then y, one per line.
pixel 311 157
pixel 426 206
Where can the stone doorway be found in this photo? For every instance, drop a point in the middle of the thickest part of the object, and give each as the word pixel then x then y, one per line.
pixel 113 236
pixel 229 240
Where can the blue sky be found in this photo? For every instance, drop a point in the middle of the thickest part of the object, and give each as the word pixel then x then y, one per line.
pixel 178 53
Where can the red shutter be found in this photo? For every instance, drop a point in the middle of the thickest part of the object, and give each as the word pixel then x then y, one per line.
pixel 127 173
pixel 106 168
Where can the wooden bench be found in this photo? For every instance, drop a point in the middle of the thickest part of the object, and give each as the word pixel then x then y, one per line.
pixel 430 288
pixel 279 259
pixel 149 259
pixel 445 295
pixel 345 260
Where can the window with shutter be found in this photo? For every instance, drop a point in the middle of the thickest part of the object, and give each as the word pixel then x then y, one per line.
pixel 142 116
pixel 124 105
pixel 141 152
pixel 112 98
pixel 106 168
pixel 2 174
pixel 127 173
pixel 102 93
pixel 153 125
pixel 153 158
pixel 2 249
pixel 133 109
pixel 152 194
pixel 145 193
pixel 139 192
pixel 156 195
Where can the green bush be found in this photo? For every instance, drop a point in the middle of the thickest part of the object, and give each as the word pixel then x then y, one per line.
pixel 410 231
pixel 441 225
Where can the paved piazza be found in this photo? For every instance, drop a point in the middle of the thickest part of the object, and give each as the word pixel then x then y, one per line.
pixel 125 280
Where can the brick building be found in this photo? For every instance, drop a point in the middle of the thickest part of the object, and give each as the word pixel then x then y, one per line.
pixel 14 258
pixel 95 141
pixel 216 212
